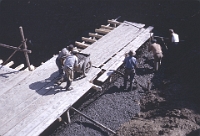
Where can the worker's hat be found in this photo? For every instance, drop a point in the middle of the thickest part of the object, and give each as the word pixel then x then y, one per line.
pixel 132 53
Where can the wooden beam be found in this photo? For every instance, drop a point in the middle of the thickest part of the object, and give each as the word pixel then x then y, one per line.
pixel 114 22
pixel 1 61
pixel 25 47
pixel 82 45
pixel 95 35
pixel 93 121
pixel 88 40
pixel 32 68
pixel 9 64
pixel 102 31
pixel 15 48
pixel 19 67
pixel 107 27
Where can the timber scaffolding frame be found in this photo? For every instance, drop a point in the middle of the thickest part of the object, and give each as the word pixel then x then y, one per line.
pixel 25 50
pixel 30 101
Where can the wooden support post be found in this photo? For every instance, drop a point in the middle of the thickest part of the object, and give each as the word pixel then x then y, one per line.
pixel 25 47
pixel 95 122
pixel 149 85
pixel 59 119
pixel 68 117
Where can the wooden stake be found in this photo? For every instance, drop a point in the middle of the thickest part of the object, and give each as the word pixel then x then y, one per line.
pixel 97 123
pixel 68 117
pixel 25 47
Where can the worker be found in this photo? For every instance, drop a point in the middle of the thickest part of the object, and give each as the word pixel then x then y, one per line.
pixel 70 63
pixel 130 64
pixel 61 56
pixel 157 53
pixel 174 41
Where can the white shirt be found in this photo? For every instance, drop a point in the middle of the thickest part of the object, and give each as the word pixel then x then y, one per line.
pixel 175 37
pixel 70 62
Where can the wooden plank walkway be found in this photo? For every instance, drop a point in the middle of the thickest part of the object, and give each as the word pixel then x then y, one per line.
pixel 111 43
pixel 29 100
pixel 117 60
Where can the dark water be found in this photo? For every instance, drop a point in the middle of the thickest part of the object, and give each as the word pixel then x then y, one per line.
pixel 49 25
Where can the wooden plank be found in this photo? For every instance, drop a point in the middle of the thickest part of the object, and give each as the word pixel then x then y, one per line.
pixel 95 35
pixel 105 48
pixel 9 64
pixel 82 45
pixel 107 27
pixel 114 22
pixel 106 52
pixel 88 40
pixel 13 81
pixel 56 113
pixel 138 25
pixel 19 67
pixel 1 61
pixel 18 113
pixel 102 31
pixel 120 54
pixel 53 107
pixel 134 45
pixel 38 79
pixel 110 71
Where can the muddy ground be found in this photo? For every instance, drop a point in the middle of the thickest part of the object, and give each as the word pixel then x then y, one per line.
pixel 170 107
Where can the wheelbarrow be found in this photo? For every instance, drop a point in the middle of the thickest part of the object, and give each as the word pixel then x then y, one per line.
pixel 84 65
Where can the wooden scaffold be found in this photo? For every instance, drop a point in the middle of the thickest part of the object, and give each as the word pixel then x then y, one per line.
pixel 25 50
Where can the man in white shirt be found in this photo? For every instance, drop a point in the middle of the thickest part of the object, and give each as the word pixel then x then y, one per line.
pixel 174 37
pixel 174 44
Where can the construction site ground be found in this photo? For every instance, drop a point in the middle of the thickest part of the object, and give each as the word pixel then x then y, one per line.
pixel 169 108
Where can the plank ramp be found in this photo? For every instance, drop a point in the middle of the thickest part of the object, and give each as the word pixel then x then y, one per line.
pixel 10 77
pixel 112 65
pixel 29 100
pixel 34 104
pixel 111 43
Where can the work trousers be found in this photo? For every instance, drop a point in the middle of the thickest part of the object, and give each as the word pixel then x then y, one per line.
pixel 69 76
pixel 59 65
pixel 129 73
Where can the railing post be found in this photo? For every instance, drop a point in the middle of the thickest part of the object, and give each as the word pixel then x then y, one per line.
pixel 25 47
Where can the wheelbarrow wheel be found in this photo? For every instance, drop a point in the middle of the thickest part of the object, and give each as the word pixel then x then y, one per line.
pixel 86 68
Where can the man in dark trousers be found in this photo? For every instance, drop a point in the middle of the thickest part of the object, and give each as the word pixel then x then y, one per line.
pixel 130 64
pixel 70 63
